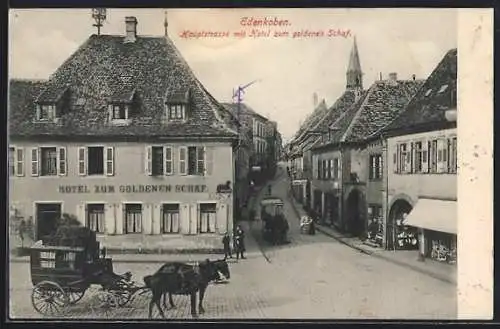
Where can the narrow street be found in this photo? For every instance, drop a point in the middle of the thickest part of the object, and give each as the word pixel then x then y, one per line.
pixel 312 277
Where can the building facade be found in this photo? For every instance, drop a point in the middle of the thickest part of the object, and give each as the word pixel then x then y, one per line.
pixel 422 167
pixel 137 150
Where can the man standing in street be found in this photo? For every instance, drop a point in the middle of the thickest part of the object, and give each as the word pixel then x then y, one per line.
pixel 239 241
pixel 227 248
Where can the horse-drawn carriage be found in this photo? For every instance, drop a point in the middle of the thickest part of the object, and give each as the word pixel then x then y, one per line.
pixel 275 226
pixel 65 265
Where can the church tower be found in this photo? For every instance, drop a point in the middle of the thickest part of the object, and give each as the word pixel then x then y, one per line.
pixel 354 75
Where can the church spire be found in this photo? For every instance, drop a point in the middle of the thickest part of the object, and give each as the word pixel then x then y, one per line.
pixel 354 74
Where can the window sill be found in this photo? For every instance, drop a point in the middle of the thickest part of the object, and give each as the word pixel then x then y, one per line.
pixel 120 122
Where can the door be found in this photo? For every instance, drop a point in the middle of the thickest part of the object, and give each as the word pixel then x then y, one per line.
pixel 47 215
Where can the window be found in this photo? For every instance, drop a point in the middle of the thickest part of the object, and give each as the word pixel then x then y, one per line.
pixel 208 215
pixel 402 158
pixel 319 169
pixel 120 112
pixel 133 218
pixel 46 112
pixel 12 165
pixel 376 166
pixel 176 112
pixel 332 168
pixel 325 169
pixel 452 163
pixel 96 160
pixel 418 157
pixel 95 217
pixel 433 155
pixel 374 211
pixel 157 161
pixel 170 218
pixel 195 160
pixel 336 168
pixel 443 89
pixel 48 161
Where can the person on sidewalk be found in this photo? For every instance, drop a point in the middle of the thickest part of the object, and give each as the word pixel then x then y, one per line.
pixel 239 241
pixel 226 241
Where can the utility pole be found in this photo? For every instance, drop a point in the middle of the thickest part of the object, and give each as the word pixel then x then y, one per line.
pixel 239 93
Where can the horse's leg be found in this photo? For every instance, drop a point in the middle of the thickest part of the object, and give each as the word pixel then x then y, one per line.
pixel 200 303
pixel 170 300
pixel 193 305
pixel 164 300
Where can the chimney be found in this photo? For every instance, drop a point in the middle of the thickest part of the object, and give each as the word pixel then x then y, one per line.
pixel 166 23
pixel 393 76
pixel 130 29
pixel 380 76
pixel 315 100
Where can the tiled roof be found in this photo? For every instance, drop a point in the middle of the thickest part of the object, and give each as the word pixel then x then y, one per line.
pixel 23 93
pixel 106 69
pixel 374 109
pixel 433 99
pixel 312 119
pixel 343 103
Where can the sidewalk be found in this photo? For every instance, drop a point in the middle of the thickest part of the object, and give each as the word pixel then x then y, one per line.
pixel 443 272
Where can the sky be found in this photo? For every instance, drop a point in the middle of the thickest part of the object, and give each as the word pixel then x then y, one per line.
pixel 288 70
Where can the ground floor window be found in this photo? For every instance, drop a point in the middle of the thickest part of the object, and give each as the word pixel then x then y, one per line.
pixel 133 218
pixel 170 218
pixel 95 217
pixel 208 215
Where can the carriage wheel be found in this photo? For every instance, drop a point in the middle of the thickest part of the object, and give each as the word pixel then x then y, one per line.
pixel 123 297
pixel 48 298
pixel 107 302
pixel 75 296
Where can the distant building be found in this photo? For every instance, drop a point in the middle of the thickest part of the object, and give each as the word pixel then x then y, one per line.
pixel 124 136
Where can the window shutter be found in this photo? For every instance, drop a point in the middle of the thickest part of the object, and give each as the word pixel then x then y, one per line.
pixel 182 160
pixel 446 155
pixel 120 218
pixel 82 161
pixel 168 167
pixel 149 160
pixel 410 157
pixel 441 162
pixel 110 112
pixel 19 161
pixel 62 168
pixel 425 157
pixel 81 214
pixel 110 161
pixel 35 161
pixel 209 160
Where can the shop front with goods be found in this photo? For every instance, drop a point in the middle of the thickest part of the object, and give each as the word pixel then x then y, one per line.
pixel 436 220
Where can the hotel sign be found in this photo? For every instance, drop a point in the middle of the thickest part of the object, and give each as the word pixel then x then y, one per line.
pixel 140 188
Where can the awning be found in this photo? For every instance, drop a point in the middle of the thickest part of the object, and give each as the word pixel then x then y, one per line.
pixel 436 215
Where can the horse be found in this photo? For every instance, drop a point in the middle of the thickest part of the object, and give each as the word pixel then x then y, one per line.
pixel 176 278
pixel 218 267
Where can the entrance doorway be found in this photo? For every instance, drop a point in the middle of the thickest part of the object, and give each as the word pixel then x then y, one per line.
pixel 355 223
pixel 47 215
pixel 397 232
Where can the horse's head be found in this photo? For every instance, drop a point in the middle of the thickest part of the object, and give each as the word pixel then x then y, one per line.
pixel 223 267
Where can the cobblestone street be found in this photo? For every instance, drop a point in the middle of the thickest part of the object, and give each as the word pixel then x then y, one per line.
pixel 312 277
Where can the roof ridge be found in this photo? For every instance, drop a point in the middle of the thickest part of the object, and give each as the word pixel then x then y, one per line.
pixel 27 80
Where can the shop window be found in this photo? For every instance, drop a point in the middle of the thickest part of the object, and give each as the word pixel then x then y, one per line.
pixel 170 218
pixel 133 218
pixel 95 217
pixel 48 165
pixel 376 167
pixel 208 215
pixel 12 165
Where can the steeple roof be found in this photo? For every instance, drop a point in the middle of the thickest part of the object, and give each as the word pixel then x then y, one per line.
pixel 354 64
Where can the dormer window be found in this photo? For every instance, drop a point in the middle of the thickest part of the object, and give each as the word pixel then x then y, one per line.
pixel 177 105
pixel 176 111
pixel 120 112
pixel 46 112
